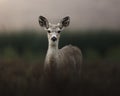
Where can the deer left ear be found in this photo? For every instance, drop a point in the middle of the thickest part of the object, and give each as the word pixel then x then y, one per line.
pixel 43 22
pixel 65 22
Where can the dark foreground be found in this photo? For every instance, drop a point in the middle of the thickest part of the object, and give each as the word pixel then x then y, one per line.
pixel 20 78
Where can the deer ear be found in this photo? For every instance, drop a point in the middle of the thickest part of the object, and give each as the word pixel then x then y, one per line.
pixel 65 22
pixel 43 22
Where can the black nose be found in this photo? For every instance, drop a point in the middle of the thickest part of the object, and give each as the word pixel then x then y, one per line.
pixel 53 38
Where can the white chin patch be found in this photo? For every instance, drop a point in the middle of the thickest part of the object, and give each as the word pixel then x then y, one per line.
pixel 53 43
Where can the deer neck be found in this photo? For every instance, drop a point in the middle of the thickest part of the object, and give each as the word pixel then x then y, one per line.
pixel 52 52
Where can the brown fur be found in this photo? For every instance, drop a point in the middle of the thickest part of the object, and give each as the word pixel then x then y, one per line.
pixel 62 63
pixel 65 64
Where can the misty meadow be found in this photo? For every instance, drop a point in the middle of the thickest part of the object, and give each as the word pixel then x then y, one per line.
pixel 22 57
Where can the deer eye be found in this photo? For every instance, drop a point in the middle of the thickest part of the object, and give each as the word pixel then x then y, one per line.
pixel 49 31
pixel 59 31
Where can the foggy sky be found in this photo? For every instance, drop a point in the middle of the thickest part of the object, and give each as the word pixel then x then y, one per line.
pixel 88 14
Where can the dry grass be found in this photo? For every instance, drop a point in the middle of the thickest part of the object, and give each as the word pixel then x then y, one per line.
pixel 20 78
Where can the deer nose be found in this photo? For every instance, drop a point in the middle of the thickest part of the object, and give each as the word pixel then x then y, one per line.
pixel 53 38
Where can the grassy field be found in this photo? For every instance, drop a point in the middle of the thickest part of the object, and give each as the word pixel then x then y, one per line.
pixel 20 78
pixel 21 65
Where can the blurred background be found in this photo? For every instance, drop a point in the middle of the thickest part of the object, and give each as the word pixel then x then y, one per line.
pixel 94 28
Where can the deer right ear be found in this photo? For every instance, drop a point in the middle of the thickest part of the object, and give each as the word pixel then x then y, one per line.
pixel 65 22
pixel 43 22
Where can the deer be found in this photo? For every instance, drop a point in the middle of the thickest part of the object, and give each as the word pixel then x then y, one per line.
pixel 64 63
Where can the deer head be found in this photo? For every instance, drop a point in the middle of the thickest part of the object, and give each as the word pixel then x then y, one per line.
pixel 53 30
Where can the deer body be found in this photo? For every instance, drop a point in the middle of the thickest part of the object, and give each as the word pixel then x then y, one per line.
pixel 60 63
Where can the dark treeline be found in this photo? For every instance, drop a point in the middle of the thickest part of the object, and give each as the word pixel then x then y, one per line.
pixel 99 41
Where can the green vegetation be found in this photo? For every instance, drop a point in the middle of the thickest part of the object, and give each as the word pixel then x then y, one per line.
pixel 32 44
